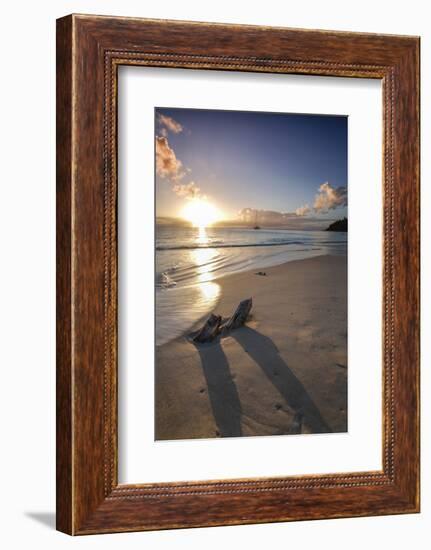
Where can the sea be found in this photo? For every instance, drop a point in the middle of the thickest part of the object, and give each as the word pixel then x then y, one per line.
pixel 191 260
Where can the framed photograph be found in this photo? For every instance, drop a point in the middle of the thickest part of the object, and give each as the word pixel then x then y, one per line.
pixel 237 274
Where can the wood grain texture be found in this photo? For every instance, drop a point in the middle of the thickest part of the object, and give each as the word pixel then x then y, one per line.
pixel 64 497
pixel 90 49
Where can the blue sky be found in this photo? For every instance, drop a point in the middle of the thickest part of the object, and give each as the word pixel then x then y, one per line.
pixel 264 161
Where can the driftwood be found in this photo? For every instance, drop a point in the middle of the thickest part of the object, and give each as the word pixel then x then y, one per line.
pixel 240 315
pixel 209 331
pixel 213 326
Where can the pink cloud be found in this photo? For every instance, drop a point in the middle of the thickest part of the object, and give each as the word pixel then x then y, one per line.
pixel 167 164
pixel 330 197
pixel 170 124
pixel 187 190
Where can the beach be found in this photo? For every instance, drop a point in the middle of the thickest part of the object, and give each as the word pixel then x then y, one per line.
pixel 284 372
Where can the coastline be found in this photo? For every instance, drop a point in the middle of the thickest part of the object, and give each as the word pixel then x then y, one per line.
pixel 284 372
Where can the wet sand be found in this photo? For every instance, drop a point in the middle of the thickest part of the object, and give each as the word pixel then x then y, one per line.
pixel 284 372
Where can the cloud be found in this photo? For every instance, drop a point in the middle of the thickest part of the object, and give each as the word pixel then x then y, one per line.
pixel 330 197
pixel 288 220
pixel 187 190
pixel 170 124
pixel 327 198
pixel 167 164
pixel 303 210
pixel 252 215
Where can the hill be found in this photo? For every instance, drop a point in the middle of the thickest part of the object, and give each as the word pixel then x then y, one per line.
pixel 339 225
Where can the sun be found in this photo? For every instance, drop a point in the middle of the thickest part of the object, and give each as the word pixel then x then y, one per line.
pixel 200 213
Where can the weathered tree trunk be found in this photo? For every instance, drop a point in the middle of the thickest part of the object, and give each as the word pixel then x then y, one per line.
pixel 213 326
pixel 209 331
pixel 240 315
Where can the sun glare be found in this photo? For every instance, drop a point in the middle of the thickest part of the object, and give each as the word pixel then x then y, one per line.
pixel 200 213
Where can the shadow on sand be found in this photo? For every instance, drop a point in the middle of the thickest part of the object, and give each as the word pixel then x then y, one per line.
pixel 264 352
pixel 223 393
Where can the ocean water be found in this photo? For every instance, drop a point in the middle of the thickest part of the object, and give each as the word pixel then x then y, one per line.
pixel 190 261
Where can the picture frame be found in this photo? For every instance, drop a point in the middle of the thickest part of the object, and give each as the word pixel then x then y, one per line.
pixel 89 51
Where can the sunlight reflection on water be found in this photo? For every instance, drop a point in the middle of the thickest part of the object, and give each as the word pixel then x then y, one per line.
pixel 181 307
pixel 178 309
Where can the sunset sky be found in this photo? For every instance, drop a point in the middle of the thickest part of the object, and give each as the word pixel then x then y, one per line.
pixel 229 161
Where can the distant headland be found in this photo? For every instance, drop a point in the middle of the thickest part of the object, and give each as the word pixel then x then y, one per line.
pixel 339 225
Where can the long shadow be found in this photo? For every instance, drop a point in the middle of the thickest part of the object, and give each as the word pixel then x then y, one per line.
pixel 222 390
pixel 264 352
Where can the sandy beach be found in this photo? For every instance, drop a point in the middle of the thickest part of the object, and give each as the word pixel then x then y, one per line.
pixel 284 372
